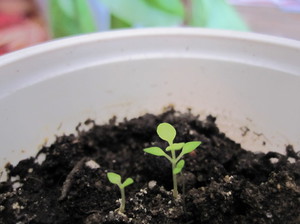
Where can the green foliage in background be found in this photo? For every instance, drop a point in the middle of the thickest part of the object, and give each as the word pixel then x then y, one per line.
pixel 140 13
pixel 170 6
pixel 69 17
pixel 215 14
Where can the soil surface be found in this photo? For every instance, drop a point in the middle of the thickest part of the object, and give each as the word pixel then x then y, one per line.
pixel 220 183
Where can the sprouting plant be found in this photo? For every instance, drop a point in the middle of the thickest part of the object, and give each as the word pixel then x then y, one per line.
pixel 116 179
pixel 168 133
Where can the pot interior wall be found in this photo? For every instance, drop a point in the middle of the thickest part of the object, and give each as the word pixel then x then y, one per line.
pixel 241 94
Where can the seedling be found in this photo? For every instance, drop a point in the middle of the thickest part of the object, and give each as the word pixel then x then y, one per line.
pixel 116 179
pixel 168 133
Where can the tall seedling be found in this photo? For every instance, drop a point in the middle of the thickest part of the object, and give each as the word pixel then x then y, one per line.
pixel 168 133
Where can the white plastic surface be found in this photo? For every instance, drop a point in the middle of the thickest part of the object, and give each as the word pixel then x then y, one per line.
pixel 248 81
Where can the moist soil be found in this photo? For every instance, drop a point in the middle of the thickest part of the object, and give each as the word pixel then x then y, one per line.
pixel 220 183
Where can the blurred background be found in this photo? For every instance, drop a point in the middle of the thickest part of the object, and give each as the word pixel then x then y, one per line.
pixel 25 23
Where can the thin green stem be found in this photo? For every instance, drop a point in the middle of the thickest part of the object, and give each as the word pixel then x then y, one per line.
pixel 169 158
pixel 122 206
pixel 178 158
pixel 175 190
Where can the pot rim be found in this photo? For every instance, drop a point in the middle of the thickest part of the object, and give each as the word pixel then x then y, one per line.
pixel 68 42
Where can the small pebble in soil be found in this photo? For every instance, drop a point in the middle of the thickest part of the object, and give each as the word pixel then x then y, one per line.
pixel 274 160
pixel 269 215
pixel 152 184
pixel 292 160
pixel 92 164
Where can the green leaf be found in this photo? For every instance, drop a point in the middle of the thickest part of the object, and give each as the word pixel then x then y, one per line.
pixel 176 170
pixel 114 178
pixel 155 151
pixel 190 146
pixel 141 13
pixel 166 132
pixel 85 19
pixel 127 182
pixel 171 6
pixel 175 146
pixel 215 14
pixel 70 17
pixel 180 164
pixel 179 167
pixel 67 7
pixel 116 23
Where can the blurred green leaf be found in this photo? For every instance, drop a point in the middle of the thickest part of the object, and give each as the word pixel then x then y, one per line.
pixel 172 6
pixel 70 18
pixel 116 23
pixel 84 16
pixel 215 14
pixel 140 13
pixel 67 7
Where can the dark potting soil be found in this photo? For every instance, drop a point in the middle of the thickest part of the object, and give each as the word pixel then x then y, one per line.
pixel 221 182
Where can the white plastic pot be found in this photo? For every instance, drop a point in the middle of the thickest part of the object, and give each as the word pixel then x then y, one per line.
pixel 248 81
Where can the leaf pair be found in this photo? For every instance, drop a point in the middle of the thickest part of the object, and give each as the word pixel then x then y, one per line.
pixel 115 178
pixel 167 132
pixel 187 148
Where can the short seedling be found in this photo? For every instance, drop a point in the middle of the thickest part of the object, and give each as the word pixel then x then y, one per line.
pixel 116 179
pixel 168 133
